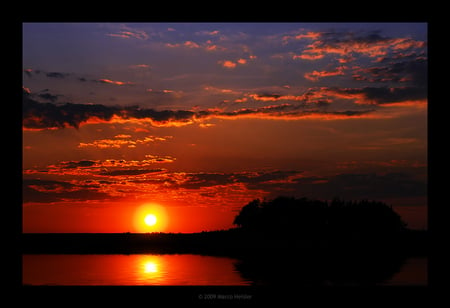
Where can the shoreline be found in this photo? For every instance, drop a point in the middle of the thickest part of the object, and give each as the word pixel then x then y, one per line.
pixel 232 242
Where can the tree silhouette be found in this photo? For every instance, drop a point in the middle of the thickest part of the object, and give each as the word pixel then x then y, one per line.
pixel 291 216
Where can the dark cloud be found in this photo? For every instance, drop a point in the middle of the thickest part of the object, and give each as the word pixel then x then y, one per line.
pixel 294 183
pixel 28 72
pixel 130 172
pixel 250 179
pixel 47 184
pixel 45 191
pixel 385 95
pixel 46 115
pixel 414 71
pixel 351 186
pixel 49 97
pixel 77 164
pixel 159 116
pixel 371 43
pixel 63 75
pixel 253 180
pixel 199 180
pixel 381 95
pixel 58 75
pixel 38 115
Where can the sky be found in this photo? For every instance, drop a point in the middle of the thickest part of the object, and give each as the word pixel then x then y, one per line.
pixel 192 121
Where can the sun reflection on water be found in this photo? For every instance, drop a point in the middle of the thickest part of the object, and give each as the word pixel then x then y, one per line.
pixel 150 267
pixel 151 270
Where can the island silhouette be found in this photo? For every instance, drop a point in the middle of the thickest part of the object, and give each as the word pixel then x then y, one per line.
pixel 282 240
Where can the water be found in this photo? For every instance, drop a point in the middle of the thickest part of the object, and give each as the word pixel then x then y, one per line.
pixel 413 273
pixel 152 269
pixel 137 269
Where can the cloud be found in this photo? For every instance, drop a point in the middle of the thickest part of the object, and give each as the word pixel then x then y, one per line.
pixel 46 115
pixel 28 72
pixel 140 66
pixel 62 75
pixel 121 140
pixel 207 46
pixel 77 164
pixel 370 44
pixel 119 178
pixel 115 82
pixel 292 112
pixel 57 75
pixel 414 71
pixel 308 56
pixel 227 64
pixel 45 191
pixel 99 167
pixel 159 159
pixel 295 37
pixel 50 116
pixel 233 64
pixel 108 143
pixel 165 92
pixel 345 185
pixel 317 75
pixel 208 33
pixel 250 179
pixel 48 97
pixel 130 172
pixel 393 164
pixel 380 95
pixel 127 33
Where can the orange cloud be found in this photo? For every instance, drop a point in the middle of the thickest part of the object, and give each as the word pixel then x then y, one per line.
pixel 105 167
pixel 107 143
pixel 309 35
pixel 308 56
pixel 371 45
pixel 316 75
pixel 242 61
pixel 121 141
pixel 40 116
pixel 220 90
pixel 275 97
pixel 159 159
pixel 207 46
pixel 227 64
pixel 122 136
pixel 118 83
pixel 230 64
pixel 191 44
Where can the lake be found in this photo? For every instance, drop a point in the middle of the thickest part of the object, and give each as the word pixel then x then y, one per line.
pixel 163 270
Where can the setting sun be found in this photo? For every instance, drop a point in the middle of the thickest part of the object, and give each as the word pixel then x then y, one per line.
pixel 150 217
pixel 150 220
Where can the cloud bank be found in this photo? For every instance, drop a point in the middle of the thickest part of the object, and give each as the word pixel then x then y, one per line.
pixel 37 115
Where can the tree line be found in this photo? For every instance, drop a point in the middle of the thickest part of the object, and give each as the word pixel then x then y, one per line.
pixel 289 215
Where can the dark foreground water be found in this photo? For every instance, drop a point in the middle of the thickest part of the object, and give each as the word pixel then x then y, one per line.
pixel 190 269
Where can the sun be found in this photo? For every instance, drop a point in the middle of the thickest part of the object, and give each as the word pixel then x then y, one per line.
pixel 150 220
pixel 150 217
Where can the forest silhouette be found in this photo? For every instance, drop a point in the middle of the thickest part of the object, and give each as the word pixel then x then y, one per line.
pixel 286 239
pixel 313 242
pixel 354 225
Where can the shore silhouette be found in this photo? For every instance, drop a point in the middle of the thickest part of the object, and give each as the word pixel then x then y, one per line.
pixel 282 225
pixel 290 240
